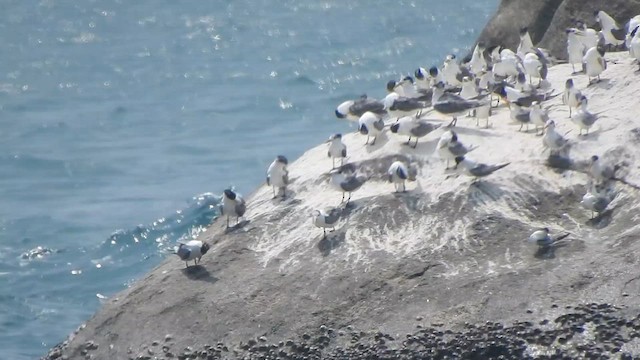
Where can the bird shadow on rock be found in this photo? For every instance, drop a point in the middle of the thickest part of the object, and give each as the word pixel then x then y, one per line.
pixel 409 197
pixel 236 227
pixel 381 140
pixel 199 272
pixel 602 220
pixel 289 199
pixel 423 146
pixel 480 190
pixel 591 136
pixel 602 84
pixel 473 131
pixel 332 241
pixel 548 252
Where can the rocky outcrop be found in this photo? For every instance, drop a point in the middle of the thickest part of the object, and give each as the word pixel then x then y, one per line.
pixel 447 254
pixel 548 19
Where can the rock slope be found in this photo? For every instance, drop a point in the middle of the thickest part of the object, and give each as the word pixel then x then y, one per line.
pixel 448 251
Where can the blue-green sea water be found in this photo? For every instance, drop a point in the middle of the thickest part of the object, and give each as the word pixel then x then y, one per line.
pixel 121 122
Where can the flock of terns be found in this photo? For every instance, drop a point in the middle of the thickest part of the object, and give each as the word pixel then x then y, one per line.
pixel 490 74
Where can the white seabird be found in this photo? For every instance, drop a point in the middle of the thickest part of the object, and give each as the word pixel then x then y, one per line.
pixel 541 237
pixel 412 127
pixel 323 220
pixel 508 66
pixel 634 44
pixel 398 106
pixel 583 118
pixel 192 250
pixel 452 72
pixel 452 104
pixel 532 67
pixel 232 205
pixel 632 24
pixel 571 96
pixel 478 62
pixel 596 200
pixel 520 115
pixel 346 183
pixel 613 34
pixel 399 173
pixel 370 124
pixel 575 48
pixel 552 140
pixel 587 36
pixel 449 148
pixel 594 62
pixel 599 171
pixel 475 169
pixel 353 109
pixel 525 45
pixel 538 116
pixel 337 149
pixel 278 175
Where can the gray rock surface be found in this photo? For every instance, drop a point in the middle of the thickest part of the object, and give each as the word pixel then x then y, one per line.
pixel 548 19
pixel 446 252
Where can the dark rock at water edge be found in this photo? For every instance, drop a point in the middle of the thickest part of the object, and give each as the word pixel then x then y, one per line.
pixel 548 19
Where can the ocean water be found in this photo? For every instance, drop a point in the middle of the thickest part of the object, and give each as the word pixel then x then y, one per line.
pixel 123 121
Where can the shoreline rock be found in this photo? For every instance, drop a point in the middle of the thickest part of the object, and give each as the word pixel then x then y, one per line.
pixel 548 19
pixel 448 251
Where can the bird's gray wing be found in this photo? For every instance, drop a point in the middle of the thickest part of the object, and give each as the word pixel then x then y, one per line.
pixel 484 169
pixel 407 104
pixel 363 129
pixel 333 217
pixel 600 204
pixel 183 252
pixel 379 125
pixel 401 174
pixel 619 34
pixel 268 180
pixel 361 106
pixel 457 149
pixel 523 116
pixel 588 119
pixel 241 207
pixel 344 152
pixel 285 178
pixel 423 129
pixel 352 183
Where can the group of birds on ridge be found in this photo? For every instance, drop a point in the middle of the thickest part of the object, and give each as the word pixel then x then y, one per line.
pixel 489 74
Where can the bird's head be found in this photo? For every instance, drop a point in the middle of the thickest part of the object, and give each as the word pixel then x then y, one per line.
pixel 550 124
pixel 433 71
pixel 568 84
pixel 230 194
pixel 394 127
pixel 408 79
pixel 391 85
pixel 343 109
pixel 282 159
pixel 419 74
pixel 523 31
pixel 204 248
